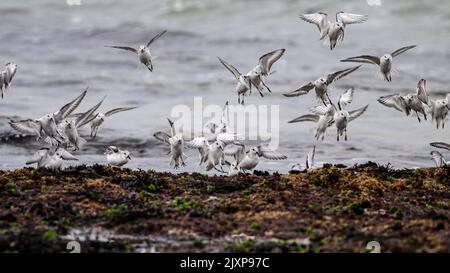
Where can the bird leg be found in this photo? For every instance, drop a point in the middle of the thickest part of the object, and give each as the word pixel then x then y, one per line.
pixel 345 131
pixel 417 114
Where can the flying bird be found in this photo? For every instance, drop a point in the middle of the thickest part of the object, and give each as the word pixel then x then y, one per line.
pixel 321 85
pixel 143 51
pixel 335 31
pixel 411 102
pixel 384 62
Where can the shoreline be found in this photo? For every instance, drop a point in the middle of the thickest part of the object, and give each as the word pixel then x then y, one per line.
pixel 328 209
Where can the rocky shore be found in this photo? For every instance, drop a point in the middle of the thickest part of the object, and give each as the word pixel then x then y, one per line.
pixel 329 209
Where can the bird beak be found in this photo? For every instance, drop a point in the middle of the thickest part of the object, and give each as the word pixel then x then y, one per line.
pixel 129 157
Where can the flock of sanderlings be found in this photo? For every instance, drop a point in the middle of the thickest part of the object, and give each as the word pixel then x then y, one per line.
pixel 58 131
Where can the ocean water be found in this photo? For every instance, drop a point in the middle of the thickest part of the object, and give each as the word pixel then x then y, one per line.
pixel 59 49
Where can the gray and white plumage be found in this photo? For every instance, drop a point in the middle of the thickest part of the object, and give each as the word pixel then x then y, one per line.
pixel 261 71
pixel 6 76
pixel 176 144
pixel 244 82
pixel 436 156
pixel 50 158
pixel 309 162
pixel 335 31
pixel 416 102
pixel 251 158
pixel 321 85
pixel 384 62
pixel 439 110
pixel 143 51
pixel 322 115
pixel 116 157
pixel 46 127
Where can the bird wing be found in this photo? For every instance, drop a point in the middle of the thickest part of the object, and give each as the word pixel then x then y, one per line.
pixel 196 142
pixel 231 68
pixel 441 145
pixel 302 90
pixel 402 50
pixel 346 98
pixel 66 155
pixel 395 101
pixel 310 158
pixel 319 19
pixel 156 37
pixel 37 156
pixel 234 149
pixel 340 74
pixel 267 60
pixel 162 136
pixel 422 93
pixel 27 126
pixel 322 110
pixel 226 138
pixel 350 18
pixel 118 110
pixel 88 116
pixel 134 50
pixel 356 113
pixel 363 59
pixel 307 117
pixel 67 109
pixel 268 153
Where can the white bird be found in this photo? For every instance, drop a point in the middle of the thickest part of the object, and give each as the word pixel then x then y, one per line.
pixel 6 76
pixel 47 125
pixel 334 31
pixel 202 144
pixel 244 82
pixel 71 127
pixel 116 157
pixel 439 110
pixel 328 115
pixel 438 159
pixel 411 102
pixel 176 143
pixel 322 115
pixel 262 70
pixel 384 62
pixel 342 118
pixel 251 158
pixel 215 156
pixel 321 85
pixel 437 156
pixel 309 164
pixel 50 158
pixel 143 52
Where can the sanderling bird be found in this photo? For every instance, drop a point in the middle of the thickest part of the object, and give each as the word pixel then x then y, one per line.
pixel 70 127
pixel 334 31
pixel 411 102
pixel 439 110
pixel 438 159
pixel 176 143
pixel 215 156
pixel 116 157
pixel 309 164
pixel 47 125
pixel 244 82
pixel 50 158
pixel 262 70
pixel 384 62
pixel 251 158
pixel 6 76
pixel 328 115
pixel 202 144
pixel 143 52
pixel 321 85
pixel 437 156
